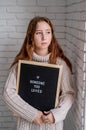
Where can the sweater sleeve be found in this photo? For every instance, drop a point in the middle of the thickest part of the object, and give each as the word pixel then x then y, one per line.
pixel 14 101
pixel 67 97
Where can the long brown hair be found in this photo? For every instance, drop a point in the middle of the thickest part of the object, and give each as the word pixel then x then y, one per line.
pixel 28 46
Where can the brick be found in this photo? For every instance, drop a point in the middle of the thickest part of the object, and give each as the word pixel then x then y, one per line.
pixel 5 119
pixel 1 87
pixel 79 62
pixel 10 60
pixel 75 16
pixel 7 2
pixel 84 5
pixel 10 48
pixel 59 29
pixel 7 29
pixel 60 3
pixel 3 78
pixel 4 66
pixel 58 22
pixel 2 22
pixel 60 16
pixel 56 10
pixel 7 41
pixel 26 2
pixel 3 35
pixel 2 9
pixel 17 22
pixel 36 9
pixel 7 124
pixel 50 2
pixel 25 16
pixel 85 25
pixel 25 9
pixel 6 16
pixel 3 60
pixel 79 75
pixel 78 25
pixel 83 16
pixel 5 128
pixel 80 54
pixel 85 36
pixel 84 77
pixel 84 57
pixel 20 42
pixel 61 42
pixel 7 54
pixel 21 29
pixel 84 67
pixel 7 113
pixel 68 36
pixel 1 101
pixel 16 35
pixel 0 115
pixel 80 44
pixel 59 35
pixel 16 9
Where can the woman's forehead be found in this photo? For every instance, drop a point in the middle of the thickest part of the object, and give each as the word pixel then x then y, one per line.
pixel 43 25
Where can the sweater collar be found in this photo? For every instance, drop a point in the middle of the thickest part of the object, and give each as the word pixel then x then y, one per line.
pixel 39 58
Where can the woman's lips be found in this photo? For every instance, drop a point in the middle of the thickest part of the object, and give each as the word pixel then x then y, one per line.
pixel 43 43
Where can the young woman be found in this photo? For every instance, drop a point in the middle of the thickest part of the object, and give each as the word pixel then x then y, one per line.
pixel 40 45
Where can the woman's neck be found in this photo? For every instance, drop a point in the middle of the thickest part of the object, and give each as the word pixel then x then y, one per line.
pixel 42 52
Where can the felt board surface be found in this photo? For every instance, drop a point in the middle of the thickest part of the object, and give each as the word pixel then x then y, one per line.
pixel 38 85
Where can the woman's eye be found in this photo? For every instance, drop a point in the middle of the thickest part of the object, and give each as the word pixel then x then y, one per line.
pixel 38 33
pixel 49 32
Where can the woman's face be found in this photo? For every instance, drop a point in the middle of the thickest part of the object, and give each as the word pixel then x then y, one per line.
pixel 42 36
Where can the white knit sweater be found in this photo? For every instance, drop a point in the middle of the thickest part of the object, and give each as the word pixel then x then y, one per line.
pixel 26 113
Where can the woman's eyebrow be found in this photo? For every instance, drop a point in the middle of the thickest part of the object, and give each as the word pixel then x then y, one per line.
pixel 41 29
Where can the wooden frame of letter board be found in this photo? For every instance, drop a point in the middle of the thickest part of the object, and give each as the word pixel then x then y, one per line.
pixel 42 65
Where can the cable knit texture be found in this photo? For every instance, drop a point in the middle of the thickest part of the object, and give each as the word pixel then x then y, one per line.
pixel 25 112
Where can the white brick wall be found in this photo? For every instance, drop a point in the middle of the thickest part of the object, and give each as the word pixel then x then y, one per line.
pixel 75 48
pixel 14 18
pixel 71 33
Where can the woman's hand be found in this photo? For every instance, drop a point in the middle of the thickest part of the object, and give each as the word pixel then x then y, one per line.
pixel 48 117
pixel 38 118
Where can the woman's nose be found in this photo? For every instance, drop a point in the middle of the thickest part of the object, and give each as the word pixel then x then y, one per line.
pixel 43 36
